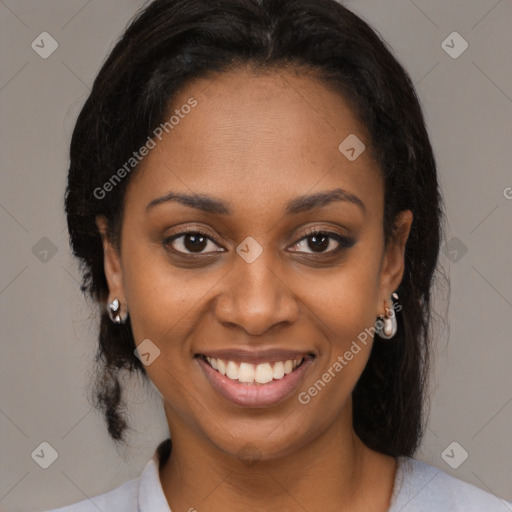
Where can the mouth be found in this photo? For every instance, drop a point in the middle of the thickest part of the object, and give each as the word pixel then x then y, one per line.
pixel 255 380
pixel 253 374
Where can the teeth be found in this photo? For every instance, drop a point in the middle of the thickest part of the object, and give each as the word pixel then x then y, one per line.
pixel 249 373
pixel 263 373
pixel 246 372
pixel 221 366
pixel 278 370
pixel 232 370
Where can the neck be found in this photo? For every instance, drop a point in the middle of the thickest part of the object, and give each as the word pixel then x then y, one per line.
pixel 334 471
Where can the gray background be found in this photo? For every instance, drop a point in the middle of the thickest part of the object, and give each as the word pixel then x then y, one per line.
pixel 48 329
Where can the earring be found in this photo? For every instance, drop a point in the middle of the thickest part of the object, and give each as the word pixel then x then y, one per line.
pixel 114 312
pixel 386 326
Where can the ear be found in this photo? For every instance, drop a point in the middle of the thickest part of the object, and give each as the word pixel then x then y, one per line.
pixel 393 264
pixel 111 263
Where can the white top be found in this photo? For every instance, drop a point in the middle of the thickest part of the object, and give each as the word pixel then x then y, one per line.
pixel 418 487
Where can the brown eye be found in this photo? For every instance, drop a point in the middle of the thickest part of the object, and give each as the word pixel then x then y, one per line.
pixel 191 242
pixel 322 242
pixel 318 243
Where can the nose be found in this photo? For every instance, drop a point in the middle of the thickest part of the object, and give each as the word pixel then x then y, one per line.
pixel 256 297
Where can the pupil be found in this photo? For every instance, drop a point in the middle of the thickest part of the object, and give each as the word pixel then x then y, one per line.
pixel 198 242
pixel 319 238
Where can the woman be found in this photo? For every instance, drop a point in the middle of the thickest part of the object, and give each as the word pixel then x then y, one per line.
pixel 253 196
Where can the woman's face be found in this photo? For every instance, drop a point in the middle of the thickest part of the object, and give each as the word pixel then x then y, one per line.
pixel 254 292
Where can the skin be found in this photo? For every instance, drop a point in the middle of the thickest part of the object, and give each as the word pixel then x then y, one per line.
pixel 257 141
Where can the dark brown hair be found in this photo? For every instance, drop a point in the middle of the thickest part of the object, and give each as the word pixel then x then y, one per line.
pixel 169 43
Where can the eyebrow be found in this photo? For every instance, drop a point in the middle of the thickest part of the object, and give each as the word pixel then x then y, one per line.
pixel 300 204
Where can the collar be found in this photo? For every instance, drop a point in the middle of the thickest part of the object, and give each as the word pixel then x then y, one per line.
pixel 151 494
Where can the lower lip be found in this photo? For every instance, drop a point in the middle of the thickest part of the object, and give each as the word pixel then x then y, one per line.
pixel 251 395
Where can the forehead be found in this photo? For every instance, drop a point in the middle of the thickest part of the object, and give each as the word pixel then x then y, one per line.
pixel 273 134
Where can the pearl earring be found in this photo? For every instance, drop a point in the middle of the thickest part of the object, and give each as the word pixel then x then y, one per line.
pixel 114 312
pixel 386 327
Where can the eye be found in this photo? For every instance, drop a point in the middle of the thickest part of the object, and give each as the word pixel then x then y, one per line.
pixel 191 242
pixel 321 242
pixel 196 242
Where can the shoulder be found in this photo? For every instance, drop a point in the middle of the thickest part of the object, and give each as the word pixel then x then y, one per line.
pixel 420 487
pixel 142 493
pixel 124 497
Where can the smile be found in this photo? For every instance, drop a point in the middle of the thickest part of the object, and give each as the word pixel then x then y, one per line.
pixel 255 381
pixel 249 373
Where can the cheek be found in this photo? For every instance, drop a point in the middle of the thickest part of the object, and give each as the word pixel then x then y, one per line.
pixel 161 299
pixel 350 320
pixel 345 301
pixel 163 306
pixel 345 309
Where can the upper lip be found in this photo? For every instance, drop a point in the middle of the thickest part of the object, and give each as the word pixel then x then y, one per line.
pixel 256 356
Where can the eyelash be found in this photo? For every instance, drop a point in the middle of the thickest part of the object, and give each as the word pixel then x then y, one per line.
pixel 343 241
